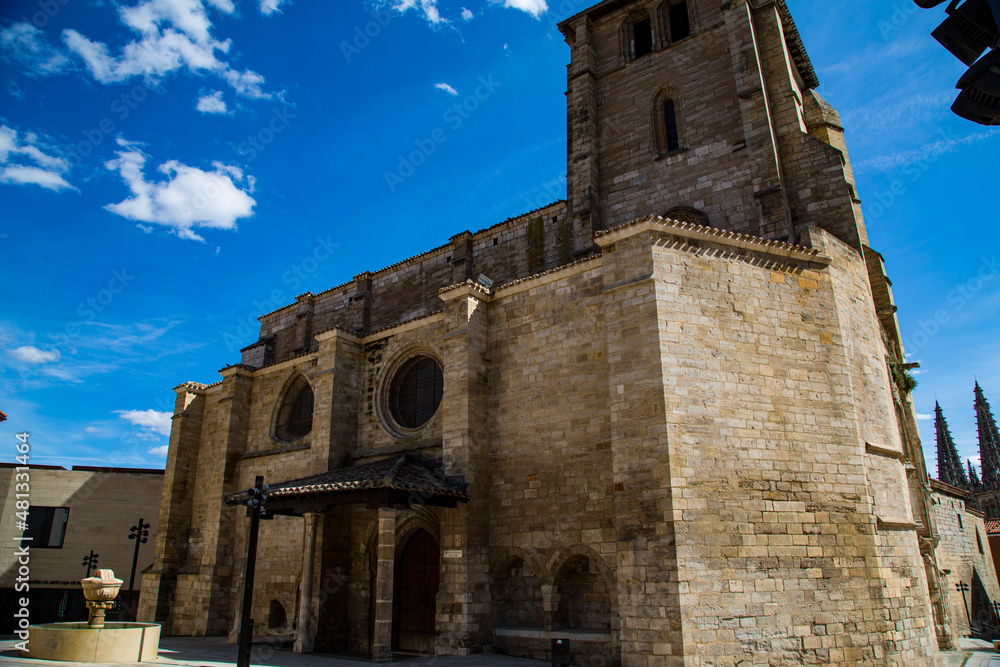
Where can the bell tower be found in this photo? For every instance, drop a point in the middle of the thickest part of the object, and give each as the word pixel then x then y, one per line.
pixel 703 111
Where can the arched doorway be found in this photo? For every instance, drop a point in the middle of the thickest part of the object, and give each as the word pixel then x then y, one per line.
pixel 417 578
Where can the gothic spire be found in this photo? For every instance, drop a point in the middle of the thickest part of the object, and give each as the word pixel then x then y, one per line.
pixel 973 477
pixel 950 468
pixel 989 442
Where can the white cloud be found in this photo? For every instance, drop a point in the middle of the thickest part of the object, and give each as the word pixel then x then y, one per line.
pixel 534 7
pixel 923 417
pixel 22 162
pixel 186 199
pixel 159 451
pixel 90 429
pixel 173 35
pixel 446 88
pixel 211 103
pixel 467 15
pixel 146 229
pixel 25 45
pixel 15 90
pixel 30 354
pixel 930 151
pixel 153 422
pixel 268 7
pixel 428 9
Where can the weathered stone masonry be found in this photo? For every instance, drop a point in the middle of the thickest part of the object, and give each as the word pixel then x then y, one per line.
pixel 682 442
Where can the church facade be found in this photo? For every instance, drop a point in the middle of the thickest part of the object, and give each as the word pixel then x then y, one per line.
pixel 666 418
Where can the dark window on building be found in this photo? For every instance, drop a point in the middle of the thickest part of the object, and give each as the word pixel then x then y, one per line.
pixel 46 527
pixel 642 38
pixel 673 141
pixel 960 521
pixel 296 413
pixel 680 22
pixel 688 214
pixel 416 392
pixel 979 543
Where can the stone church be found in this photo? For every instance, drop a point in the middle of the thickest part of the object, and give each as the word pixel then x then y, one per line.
pixel 666 419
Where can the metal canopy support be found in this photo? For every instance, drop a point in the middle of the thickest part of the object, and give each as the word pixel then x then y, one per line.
pixel 255 510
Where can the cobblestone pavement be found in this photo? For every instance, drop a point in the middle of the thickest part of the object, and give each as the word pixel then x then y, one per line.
pixel 218 652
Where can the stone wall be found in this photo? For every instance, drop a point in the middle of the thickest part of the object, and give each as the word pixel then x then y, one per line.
pixel 963 547
pixel 103 506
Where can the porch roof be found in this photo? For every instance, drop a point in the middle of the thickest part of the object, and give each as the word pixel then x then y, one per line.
pixel 391 481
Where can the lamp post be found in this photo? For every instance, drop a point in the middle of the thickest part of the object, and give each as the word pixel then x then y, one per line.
pixel 138 533
pixel 90 561
pixel 256 497
pixel 962 587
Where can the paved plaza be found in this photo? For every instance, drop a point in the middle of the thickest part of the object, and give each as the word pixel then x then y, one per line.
pixel 218 652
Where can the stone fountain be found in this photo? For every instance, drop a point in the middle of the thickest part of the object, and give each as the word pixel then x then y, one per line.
pixel 95 640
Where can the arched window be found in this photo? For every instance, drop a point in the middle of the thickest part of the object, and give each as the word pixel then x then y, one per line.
pixel 296 412
pixel 675 21
pixel 688 214
pixel 583 597
pixel 666 122
pixel 517 597
pixel 416 392
pixel 638 35
pixel 276 618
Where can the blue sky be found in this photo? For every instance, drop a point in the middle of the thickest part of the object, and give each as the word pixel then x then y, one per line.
pixel 171 169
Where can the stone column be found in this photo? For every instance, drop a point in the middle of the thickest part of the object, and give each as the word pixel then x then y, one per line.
pixel 384 574
pixel 174 526
pixel 336 387
pixel 303 641
pixel 760 134
pixel 584 139
pixel 463 600
pixel 550 607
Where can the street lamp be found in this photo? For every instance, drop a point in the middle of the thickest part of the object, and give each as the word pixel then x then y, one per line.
pixel 139 534
pixel 256 498
pixel 90 561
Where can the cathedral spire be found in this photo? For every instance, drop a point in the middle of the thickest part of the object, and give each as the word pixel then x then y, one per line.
pixel 989 442
pixel 950 468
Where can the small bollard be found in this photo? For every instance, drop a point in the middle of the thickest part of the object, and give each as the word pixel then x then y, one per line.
pixel 560 653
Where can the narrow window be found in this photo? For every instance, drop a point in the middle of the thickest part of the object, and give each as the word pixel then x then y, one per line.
pixel 680 23
pixel 296 412
pixel 670 126
pixel 960 521
pixel 46 527
pixel 642 38
pixel 979 543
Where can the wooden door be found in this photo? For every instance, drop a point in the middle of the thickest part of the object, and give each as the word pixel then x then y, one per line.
pixel 416 594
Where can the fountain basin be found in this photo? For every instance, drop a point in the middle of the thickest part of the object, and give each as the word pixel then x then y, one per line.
pixel 78 642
